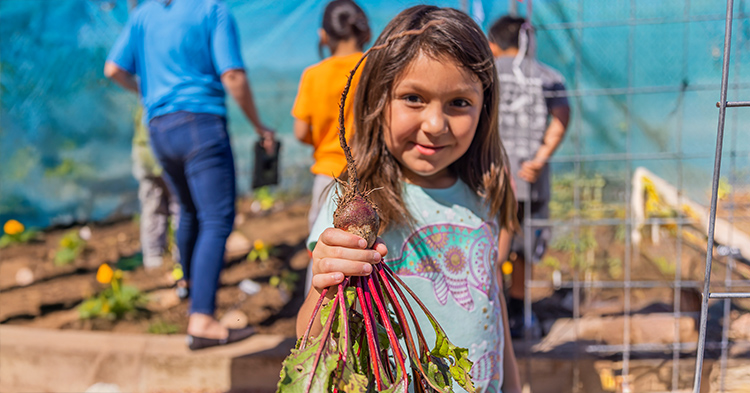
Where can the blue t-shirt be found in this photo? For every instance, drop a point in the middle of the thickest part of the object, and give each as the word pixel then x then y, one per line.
pixel 448 259
pixel 179 50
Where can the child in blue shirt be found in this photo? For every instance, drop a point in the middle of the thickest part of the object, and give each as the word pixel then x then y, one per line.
pixel 186 56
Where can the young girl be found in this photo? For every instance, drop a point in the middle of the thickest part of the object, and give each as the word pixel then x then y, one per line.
pixel 316 109
pixel 427 138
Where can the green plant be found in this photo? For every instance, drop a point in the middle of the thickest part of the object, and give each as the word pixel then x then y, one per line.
pixel 15 232
pixel 130 263
pixel 70 247
pixel 114 302
pixel 666 268
pixel 260 251
pixel 725 188
pixel 580 248
pixel 162 327
pixel 614 267
pixel 264 199
pixel 590 196
pixel 287 280
pixel 551 262
pixel 621 233
pixel 655 206
pixel 172 236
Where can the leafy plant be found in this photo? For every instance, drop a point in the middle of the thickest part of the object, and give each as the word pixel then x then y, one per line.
pixel 591 203
pixel 286 281
pixel 70 247
pixel 15 232
pixel 162 327
pixel 614 267
pixel 666 268
pixel 264 199
pixel 130 263
pixel 114 302
pixel 584 244
pixel 359 348
pixel 177 273
pixel 260 251
pixel 551 262
pixel 725 188
pixel 654 204
pixel 172 237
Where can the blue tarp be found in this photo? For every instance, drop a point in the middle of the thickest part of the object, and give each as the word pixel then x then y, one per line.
pixel 65 131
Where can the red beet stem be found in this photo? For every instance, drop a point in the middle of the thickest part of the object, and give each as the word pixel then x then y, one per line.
pixel 373 284
pixel 306 335
pixel 415 356
pixel 325 334
pixel 371 332
pixel 345 327
pixel 387 276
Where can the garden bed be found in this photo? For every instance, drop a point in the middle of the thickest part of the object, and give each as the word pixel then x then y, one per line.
pixel 36 292
pixel 54 293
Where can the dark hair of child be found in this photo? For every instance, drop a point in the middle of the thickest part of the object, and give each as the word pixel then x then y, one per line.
pixel 504 32
pixel 344 19
pixel 452 38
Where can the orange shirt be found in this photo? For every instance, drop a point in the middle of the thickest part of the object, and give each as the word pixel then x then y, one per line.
pixel 317 104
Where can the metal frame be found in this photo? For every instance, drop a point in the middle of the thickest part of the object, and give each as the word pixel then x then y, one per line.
pixel 707 294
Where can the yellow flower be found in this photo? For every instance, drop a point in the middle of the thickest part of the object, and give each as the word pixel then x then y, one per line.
pixel 104 274
pixel 66 243
pixel 117 274
pixel 258 244
pixel 177 273
pixel 507 268
pixel 13 227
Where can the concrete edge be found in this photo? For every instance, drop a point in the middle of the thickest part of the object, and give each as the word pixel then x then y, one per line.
pixel 71 361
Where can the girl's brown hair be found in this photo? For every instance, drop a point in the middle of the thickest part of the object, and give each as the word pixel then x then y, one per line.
pixel 451 35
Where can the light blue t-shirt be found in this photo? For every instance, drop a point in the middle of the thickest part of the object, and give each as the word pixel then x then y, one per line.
pixel 179 49
pixel 449 261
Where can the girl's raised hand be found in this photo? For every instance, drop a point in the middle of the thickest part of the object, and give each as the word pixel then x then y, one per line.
pixel 339 253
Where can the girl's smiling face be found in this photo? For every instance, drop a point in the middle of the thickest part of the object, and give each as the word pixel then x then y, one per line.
pixel 432 118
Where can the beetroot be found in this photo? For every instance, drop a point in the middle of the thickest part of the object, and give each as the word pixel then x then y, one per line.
pixel 355 213
pixel 367 336
pixel 358 215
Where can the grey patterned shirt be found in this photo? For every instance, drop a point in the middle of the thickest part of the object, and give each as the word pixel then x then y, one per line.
pixel 525 104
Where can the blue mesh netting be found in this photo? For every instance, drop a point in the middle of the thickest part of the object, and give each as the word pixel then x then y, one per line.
pixel 65 130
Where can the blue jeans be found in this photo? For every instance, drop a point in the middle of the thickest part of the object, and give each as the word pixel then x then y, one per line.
pixel 194 150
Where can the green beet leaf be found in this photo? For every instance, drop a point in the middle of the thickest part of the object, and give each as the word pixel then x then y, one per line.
pixel 400 385
pixel 297 369
pixel 460 364
pixel 352 381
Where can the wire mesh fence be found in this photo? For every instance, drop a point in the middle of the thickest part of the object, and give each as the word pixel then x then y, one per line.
pixel 630 198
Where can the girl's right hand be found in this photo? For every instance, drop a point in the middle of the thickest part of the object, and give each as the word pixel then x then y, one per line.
pixel 339 253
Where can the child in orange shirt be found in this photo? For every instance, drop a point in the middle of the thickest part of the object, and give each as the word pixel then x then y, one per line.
pixel 345 32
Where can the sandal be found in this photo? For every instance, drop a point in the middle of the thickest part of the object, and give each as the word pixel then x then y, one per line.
pixel 195 342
